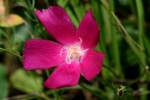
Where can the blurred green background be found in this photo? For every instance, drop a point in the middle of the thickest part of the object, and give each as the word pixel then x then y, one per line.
pixel 124 37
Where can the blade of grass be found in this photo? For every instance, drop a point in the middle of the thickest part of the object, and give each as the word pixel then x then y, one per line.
pixel 115 43
pixel 111 38
pixel 140 16
pixel 133 44
pixel 117 21
pixel 98 14
pixel 78 8
pixel 72 16
pixel 62 2
pixel 140 13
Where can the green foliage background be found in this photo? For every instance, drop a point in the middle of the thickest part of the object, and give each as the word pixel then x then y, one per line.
pixel 124 37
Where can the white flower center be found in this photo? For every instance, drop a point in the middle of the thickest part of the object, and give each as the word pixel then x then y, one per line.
pixel 74 53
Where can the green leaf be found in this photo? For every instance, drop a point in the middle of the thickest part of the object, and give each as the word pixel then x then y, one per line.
pixel 3 83
pixel 27 81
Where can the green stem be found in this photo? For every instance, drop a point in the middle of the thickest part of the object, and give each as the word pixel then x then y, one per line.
pixel 140 15
pixel 115 45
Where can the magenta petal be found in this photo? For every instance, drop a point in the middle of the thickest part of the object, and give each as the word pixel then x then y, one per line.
pixel 57 23
pixel 91 64
pixel 65 75
pixel 88 31
pixel 41 54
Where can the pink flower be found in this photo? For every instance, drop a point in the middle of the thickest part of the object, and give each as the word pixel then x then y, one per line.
pixel 73 53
